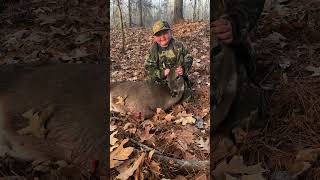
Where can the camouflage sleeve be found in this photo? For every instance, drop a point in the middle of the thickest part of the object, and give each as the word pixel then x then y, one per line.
pixel 152 68
pixel 243 15
pixel 187 60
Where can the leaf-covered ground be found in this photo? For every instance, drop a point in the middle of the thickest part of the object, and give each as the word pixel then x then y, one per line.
pixel 55 31
pixel 287 42
pixel 177 136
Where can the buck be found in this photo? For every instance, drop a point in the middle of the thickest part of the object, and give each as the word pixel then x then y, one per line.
pixel 142 98
pixel 226 78
pixel 69 99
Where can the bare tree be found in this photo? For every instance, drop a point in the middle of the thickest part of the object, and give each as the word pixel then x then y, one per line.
pixel 194 10
pixel 140 13
pixel 129 12
pixel 165 6
pixel 178 11
pixel 121 23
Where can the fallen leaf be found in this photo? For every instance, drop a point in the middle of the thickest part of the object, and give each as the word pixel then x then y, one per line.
pixel 169 138
pixel 37 121
pixel 315 70
pixel 275 37
pixel 160 111
pixel 155 167
pixel 113 147
pixel 177 109
pixel 204 145
pixel 120 101
pixel 146 134
pixel 124 166
pixel 236 166
pixel 151 154
pixel 124 175
pixel 129 127
pixel 185 120
pixel 120 154
pixel 112 127
pixel 113 139
pixel 186 136
pixel 169 117
pixel 205 112
pixel 160 115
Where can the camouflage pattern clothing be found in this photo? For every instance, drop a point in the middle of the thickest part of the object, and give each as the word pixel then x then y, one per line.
pixel 160 58
pixel 243 15
pixel 247 108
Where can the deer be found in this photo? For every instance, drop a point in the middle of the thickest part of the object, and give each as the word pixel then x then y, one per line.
pixel 69 99
pixel 142 98
pixel 226 78
pixel 225 71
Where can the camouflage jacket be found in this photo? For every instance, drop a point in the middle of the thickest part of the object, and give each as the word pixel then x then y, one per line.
pixel 243 15
pixel 159 58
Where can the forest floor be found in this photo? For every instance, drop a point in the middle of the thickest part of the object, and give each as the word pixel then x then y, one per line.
pixel 287 42
pixel 40 32
pixel 164 132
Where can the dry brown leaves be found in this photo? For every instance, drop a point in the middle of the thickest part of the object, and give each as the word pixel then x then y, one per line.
pixel 120 154
pixel 181 141
pixel 288 66
pixel 236 167
pixel 37 121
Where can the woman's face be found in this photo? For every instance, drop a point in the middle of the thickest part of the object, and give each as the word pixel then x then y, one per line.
pixel 163 38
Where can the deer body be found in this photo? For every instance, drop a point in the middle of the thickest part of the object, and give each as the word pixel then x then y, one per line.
pixel 75 128
pixel 143 98
pixel 226 76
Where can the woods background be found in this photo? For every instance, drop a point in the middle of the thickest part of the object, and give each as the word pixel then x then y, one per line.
pixel 145 12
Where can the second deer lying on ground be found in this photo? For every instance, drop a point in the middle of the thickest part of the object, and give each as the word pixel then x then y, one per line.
pixel 67 121
pixel 143 98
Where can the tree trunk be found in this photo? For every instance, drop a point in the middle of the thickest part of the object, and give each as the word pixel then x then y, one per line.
pixel 140 13
pixel 195 10
pixel 178 11
pixel 159 10
pixel 129 12
pixel 121 23
pixel 198 9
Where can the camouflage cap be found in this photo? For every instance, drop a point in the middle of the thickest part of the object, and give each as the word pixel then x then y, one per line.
pixel 160 26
